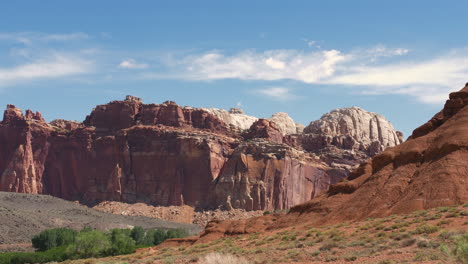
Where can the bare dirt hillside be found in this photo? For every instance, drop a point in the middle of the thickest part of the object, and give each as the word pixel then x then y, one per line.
pixel 24 215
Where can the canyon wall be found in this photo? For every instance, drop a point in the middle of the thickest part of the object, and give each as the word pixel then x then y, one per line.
pixel 165 154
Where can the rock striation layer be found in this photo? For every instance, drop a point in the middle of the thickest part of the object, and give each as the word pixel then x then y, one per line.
pixel 165 154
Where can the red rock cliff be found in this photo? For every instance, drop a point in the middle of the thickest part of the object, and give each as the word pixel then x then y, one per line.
pixel 162 154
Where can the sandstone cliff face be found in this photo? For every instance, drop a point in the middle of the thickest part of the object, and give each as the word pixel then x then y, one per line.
pixel 264 175
pixel 164 154
pixel 355 128
pixel 429 170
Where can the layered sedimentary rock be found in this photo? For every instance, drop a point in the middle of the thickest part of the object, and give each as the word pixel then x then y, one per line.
pixel 264 176
pixel 428 170
pixel 165 154
pixel 357 129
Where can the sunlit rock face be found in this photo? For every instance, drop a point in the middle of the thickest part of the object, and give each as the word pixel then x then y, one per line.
pixel 235 117
pixel 355 128
pixel 166 154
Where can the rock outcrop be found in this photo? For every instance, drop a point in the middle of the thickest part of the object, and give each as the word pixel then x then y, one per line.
pixel 266 176
pixel 428 170
pixel 165 154
pixel 266 129
pixel 284 122
pixel 235 117
pixel 356 129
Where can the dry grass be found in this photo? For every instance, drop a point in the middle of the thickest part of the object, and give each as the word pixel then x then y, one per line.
pixel 218 258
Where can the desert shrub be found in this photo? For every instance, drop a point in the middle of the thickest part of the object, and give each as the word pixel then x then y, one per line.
pixel 350 257
pixel 386 261
pixel 399 236
pixel 331 258
pixel 427 244
pixel 218 258
pixel 52 238
pixel 443 222
pixel 328 246
pixel 408 242
pixel 426 229
pixel 459 250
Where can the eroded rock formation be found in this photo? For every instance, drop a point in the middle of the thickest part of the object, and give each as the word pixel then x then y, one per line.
pixel 165 154
pixel 428 170
pixel 354 128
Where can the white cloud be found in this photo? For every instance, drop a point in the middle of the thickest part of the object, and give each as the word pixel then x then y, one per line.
pixel 429 81
pixel 270 65
pixel 375 70
pixel 53 67
pixel 132 64
pixel 275 64
pixel 30 37
pixel 277 93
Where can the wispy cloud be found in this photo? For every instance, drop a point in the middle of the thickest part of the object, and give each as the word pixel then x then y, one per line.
pixel 31 37
pixel 132 64
pixel 375 70
pixel 249 65
pixel 429 81
pixel 53 67
pixel 277 93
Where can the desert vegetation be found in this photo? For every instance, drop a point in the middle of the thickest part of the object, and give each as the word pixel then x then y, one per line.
pixel 415 237
pixel 61 244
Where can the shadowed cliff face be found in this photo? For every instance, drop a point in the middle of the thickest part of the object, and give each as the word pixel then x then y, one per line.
pixel 164 154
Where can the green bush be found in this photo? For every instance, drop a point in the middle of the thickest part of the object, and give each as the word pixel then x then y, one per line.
pixel 176 233
pixel 159 236
pixel 56 245
pixel 138 234
pixel 121 242
pixel 52 238
pixel 91 244
pixel 52 255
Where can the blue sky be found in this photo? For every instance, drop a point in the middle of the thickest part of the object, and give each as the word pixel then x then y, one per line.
pixel 396 58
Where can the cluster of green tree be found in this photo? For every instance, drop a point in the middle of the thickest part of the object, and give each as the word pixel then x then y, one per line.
pixel 60 244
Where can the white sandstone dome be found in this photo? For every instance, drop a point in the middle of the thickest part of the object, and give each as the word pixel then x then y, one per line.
pixel 234 117
pixel 285 123
pixel 363 126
